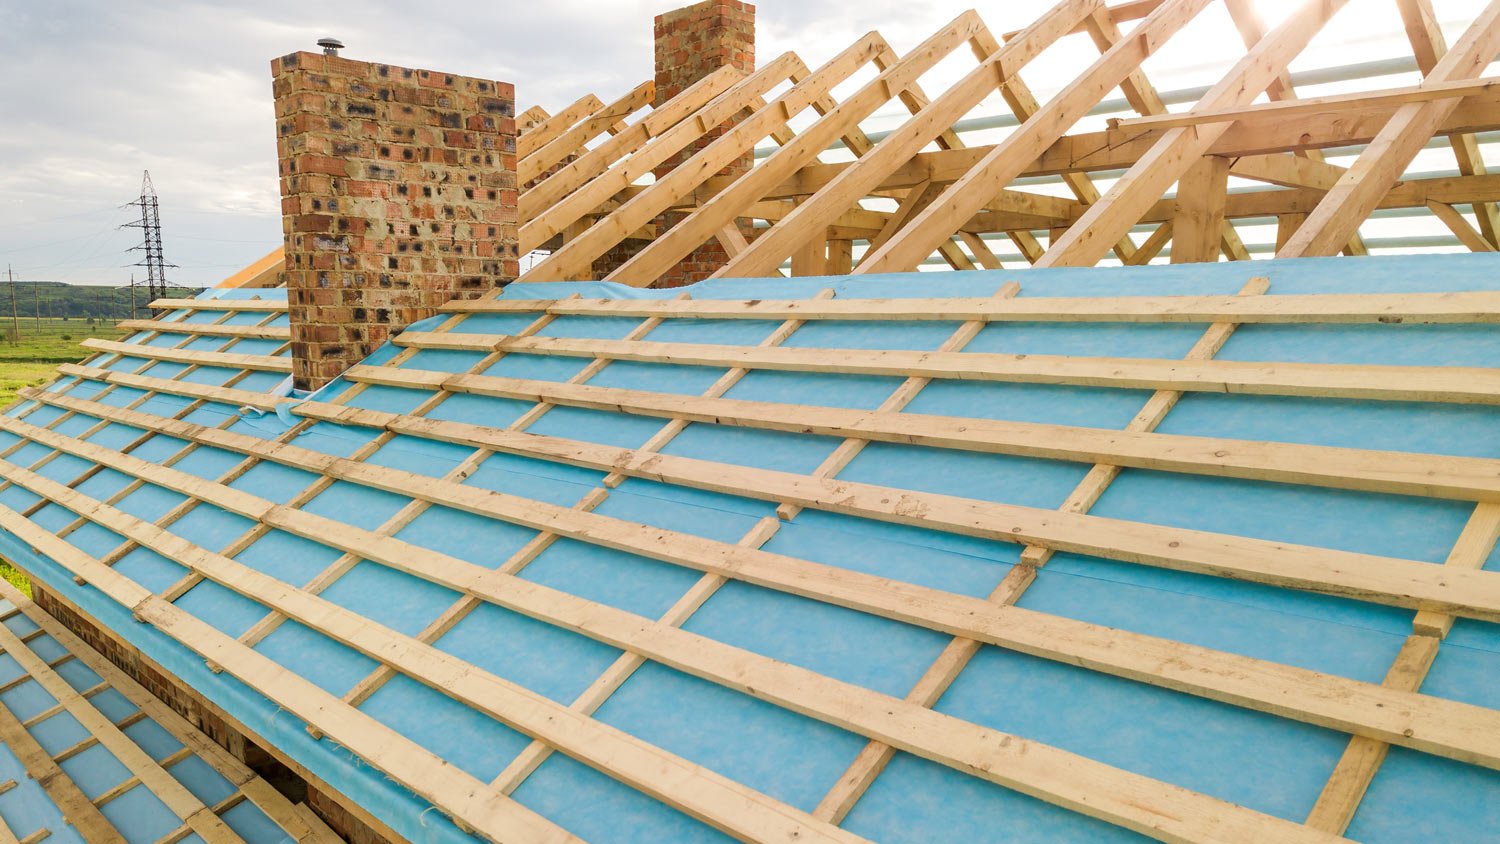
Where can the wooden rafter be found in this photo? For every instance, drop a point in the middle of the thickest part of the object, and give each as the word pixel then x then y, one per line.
pixel 597 175
pixel 1359 190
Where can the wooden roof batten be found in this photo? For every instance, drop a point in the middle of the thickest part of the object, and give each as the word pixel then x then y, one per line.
pixel 954 201
pixel 1376 716
pixel 583 171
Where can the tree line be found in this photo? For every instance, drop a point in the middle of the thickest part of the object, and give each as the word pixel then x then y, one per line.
pixel 59 300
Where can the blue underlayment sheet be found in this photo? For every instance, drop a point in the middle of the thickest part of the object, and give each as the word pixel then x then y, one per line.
pixel 1273 765
pixel 134 810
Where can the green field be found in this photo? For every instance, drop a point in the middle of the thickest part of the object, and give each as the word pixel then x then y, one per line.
pixel 41 325
pixel 29 358
pixel 14 577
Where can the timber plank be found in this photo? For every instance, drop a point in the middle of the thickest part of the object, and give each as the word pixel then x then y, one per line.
pixel 1239 680
pixel 1317 308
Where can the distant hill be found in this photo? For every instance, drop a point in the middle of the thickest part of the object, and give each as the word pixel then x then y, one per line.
pixel 56 299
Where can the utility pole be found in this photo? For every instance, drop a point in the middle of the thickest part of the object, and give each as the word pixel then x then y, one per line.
pixel 132 296
pixel 36 299
pixel 15 318
pixel 150 226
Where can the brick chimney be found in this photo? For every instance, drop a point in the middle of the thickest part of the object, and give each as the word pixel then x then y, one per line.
pixel 691 43
pixel 398 193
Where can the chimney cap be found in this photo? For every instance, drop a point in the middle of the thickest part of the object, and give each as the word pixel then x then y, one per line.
pixel 331 46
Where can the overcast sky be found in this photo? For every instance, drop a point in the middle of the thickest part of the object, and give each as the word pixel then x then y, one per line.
pixel 95 91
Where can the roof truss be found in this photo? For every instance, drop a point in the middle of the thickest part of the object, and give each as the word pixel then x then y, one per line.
pixel 953 200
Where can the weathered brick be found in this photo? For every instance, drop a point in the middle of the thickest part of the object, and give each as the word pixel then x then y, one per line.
pixel 691 43
pixel 381 168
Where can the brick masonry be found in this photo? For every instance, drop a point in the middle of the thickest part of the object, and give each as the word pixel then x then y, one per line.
pixel 691 43
pixel 398 193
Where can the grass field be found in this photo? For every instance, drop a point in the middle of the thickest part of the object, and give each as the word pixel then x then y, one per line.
pixel 30 359
pixel 15 578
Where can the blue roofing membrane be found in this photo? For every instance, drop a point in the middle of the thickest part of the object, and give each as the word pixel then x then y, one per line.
pixel 1272 765
pixel 131 807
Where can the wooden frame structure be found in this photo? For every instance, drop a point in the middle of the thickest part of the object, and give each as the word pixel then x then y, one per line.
pixel 191 412
pixel 952 202
pixel 589 207
pixel 1377 716
pixel 53 663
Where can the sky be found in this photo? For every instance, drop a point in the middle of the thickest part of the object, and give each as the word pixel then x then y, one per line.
pixel 96 91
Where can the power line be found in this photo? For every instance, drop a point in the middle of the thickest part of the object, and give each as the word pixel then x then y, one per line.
pixel 150 225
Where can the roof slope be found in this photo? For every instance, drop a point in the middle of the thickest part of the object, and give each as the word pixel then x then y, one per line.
pixel 784 558
pixel 90 755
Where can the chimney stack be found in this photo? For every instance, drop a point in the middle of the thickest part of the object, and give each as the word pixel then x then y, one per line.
pixel 691 43
pixel 398 193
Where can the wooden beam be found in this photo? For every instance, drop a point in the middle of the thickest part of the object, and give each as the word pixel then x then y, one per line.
pixel 1105 34
pixel 1339 308
pixel 1360 190
pixel 982 252
pixel 858 179
pixel 1178 149
pixel 572 141
pixel 269 305
pixel 650 263
pixel 590 163
pixel 1287 170
pixel 840 257
pixel 206 329
pixel 575 258
pixel 1429 45
pixel 770 678
pixel 1470 552
pixel 1431 724
pixel 450 790
pixel 1286 228
pixel 1277 563
pixel 544 132
pixel 189 389
pixel 1198 225
pixel 1072 781
pixel 230 360
pixel 897 401
pixel 1152 245
pixel 277 807
pixel 707 585
pixel 657 143
pixel 1119 13
pixel 75 806
pixel 919 197
pixel 810 259
pixel 145 770
pixel 1457 385
pixel 530 119
pixel 1487 88
pixel 1004 162
pixel 1300 165
pixel 1460 227
pixel 1363 756
pixel 1115 150
pixel 717 800
pixel 951 662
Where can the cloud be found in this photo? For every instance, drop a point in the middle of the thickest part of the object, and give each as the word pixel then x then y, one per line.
pixel 97 91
